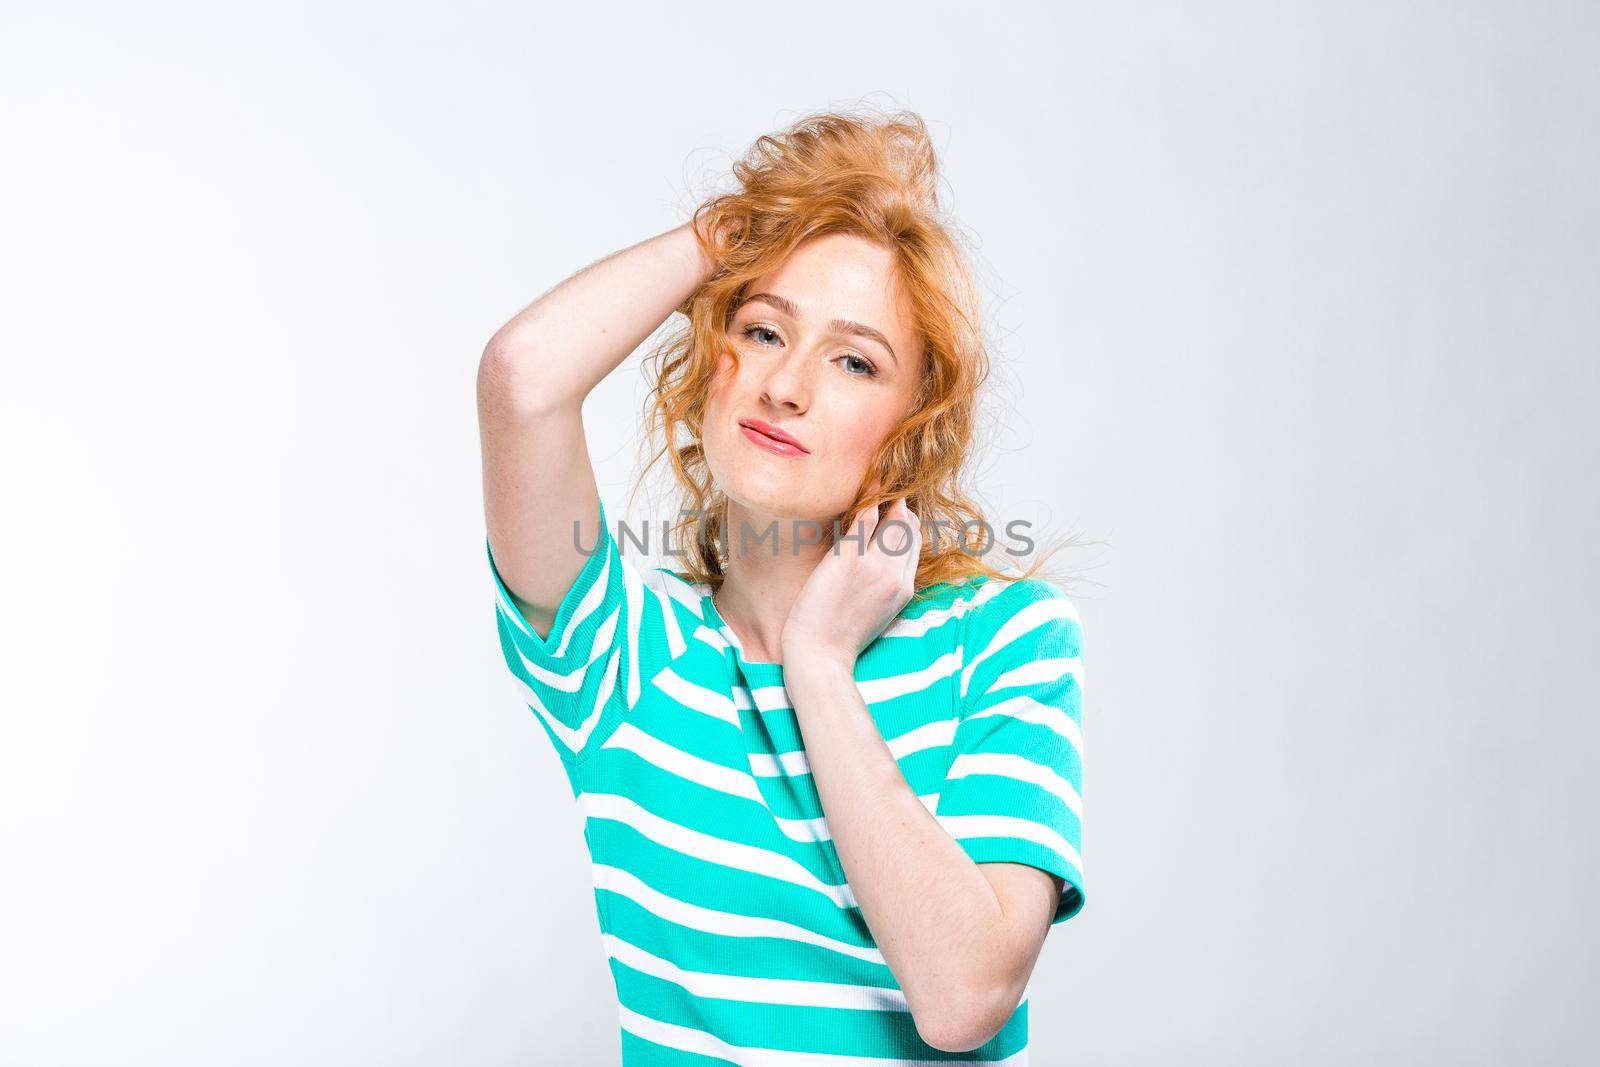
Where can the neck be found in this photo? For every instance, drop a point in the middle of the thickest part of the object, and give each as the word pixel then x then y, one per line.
pixel 767 567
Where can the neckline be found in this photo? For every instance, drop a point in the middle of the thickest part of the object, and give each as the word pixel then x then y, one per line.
pixel 722 627
pixel 756 669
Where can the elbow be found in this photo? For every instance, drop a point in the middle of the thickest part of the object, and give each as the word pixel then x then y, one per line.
pixel 953 1034
pixel 965 1023
pixel 513 379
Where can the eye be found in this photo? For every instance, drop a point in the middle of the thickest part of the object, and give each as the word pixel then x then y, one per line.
pixel 862 367
pixel 749 331
pixel 868 371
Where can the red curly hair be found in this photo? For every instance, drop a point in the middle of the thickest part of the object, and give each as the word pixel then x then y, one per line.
pixel 873 177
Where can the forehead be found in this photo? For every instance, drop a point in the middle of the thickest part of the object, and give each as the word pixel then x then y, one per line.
pixel 843 276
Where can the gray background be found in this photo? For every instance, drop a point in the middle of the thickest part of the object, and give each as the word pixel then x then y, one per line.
pixel 1295 311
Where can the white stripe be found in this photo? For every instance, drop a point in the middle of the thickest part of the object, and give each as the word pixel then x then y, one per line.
pixel 878 690
pixel 689 1039
pixel 795 763
pixel 1039 672
pixel 655 584
pixel 1027 709
pixel 765 697
pixel 937 617
pixel 712 638
pixel 711 849
pixel 685 765
pixel 872 691
pixel 732 638
pixel 711 921
pixel 592 600
pixel 705 773
pixel 696 697
pixel 1036 614
pixel 633 588
pixel 789 992
pixel 779 764
pixel 510 611
pixel 571 681
pixel 964 827
pixel 684 592
pixel 1017 768
pixel 933 734
pixel 573 738
pixel 514 614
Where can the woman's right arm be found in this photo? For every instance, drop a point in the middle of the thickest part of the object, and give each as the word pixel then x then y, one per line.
pixel 538 481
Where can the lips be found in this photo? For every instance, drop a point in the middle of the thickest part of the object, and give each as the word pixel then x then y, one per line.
pixel 771 438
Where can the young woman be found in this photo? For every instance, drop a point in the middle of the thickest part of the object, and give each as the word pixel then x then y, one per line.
pixel 830 767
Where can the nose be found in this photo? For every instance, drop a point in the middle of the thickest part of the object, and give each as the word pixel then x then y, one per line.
pixel 788 383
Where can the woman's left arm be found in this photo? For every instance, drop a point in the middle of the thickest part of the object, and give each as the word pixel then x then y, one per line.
pixel 960 941
pixel 944 930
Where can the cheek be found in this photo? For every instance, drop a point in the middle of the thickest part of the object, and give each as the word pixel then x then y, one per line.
pixel 859 432
pixel 713 418
pixel 721 383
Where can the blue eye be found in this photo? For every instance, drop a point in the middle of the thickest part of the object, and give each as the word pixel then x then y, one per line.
pixel 869 370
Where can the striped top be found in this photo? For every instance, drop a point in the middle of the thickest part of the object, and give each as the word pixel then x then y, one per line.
pixel 731 932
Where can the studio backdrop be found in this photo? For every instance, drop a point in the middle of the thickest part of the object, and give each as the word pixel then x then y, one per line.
pixel 1292 309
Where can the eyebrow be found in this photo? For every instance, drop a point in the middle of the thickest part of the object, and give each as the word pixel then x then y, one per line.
pixel 791 309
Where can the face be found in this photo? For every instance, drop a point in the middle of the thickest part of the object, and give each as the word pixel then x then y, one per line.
pixel 828 355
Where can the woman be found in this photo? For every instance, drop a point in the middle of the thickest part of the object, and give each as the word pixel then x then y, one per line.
pixel 830 769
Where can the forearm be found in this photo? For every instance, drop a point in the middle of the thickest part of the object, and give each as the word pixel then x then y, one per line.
pixel 558 348
pixel 934 915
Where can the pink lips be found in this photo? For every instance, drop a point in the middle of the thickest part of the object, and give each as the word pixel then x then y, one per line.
pixel 771 438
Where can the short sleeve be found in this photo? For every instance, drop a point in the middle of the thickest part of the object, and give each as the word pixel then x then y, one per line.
pixel 612 632
pixel 1012 791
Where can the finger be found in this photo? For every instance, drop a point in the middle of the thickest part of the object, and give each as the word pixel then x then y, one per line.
pixel 914 528
pixel 912 519
pixel 914 557
pixel 896 537
pixel 911 530
pixel 864 523
pixel 890 537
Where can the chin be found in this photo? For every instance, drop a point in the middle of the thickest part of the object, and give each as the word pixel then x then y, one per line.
pixel 771 490
pixel 764 500
pixel 764 497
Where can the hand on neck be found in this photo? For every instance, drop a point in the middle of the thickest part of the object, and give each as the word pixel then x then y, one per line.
pixel 764 576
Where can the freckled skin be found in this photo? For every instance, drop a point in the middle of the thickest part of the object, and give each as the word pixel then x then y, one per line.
pixel 812 383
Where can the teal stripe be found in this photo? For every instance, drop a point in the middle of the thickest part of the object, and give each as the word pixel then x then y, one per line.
pixel 638 1052
pixel 752 957
pixel 801 1029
